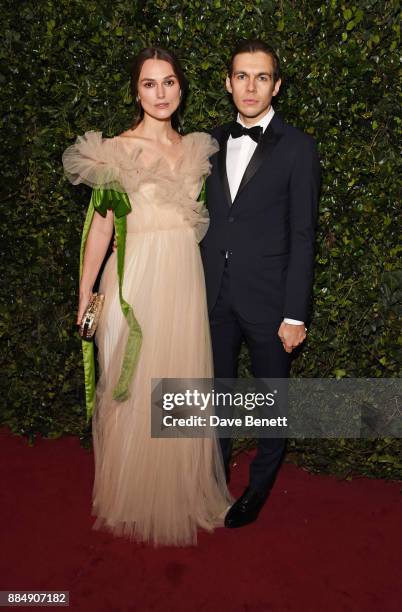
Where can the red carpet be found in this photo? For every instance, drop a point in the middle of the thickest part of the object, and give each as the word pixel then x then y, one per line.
pixel 320 545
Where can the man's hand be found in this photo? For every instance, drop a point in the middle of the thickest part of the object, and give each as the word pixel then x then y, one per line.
pixel 291 335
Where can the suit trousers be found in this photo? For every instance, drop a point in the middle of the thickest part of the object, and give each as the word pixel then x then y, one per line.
pixel 268 360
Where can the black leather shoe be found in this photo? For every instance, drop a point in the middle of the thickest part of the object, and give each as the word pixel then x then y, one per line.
pixel 246 509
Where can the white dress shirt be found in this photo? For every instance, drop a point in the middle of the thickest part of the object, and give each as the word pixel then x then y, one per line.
pixel 239 152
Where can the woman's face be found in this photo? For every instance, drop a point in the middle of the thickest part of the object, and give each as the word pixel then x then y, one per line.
pixel 158 89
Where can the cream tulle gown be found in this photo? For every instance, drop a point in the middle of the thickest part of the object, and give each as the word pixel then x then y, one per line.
pixel 153 489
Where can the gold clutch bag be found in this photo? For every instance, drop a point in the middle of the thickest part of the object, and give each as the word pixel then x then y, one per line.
pixel 90 318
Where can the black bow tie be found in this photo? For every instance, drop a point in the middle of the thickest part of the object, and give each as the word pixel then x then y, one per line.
pixel 237 130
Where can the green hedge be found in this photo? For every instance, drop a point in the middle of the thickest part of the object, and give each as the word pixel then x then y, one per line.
pixel 64 70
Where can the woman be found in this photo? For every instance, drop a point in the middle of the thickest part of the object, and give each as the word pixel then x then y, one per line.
pixel 149 489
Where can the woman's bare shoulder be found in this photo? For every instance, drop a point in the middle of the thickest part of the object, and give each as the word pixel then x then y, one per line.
pixel 131 135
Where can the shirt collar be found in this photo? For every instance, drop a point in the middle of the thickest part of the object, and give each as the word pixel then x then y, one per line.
pixel 263 122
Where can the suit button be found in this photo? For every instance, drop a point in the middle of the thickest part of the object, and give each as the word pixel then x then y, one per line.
pixel 231 219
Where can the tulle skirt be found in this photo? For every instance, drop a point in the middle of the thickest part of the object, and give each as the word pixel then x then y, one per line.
pixel 158 490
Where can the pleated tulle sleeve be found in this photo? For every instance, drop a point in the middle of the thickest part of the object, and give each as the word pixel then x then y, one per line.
pixel 195 169
pixel 100 162
pixel 203 146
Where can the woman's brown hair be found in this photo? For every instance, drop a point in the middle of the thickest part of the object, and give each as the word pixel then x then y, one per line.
pixel 167 56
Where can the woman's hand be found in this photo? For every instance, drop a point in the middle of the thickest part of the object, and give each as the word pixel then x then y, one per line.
pixel 85 296
pixel 95 249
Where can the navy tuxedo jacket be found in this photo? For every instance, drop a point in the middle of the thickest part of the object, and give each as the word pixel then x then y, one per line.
pixel 268 230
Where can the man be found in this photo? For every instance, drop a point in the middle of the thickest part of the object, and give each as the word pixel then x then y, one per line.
pixel 258 253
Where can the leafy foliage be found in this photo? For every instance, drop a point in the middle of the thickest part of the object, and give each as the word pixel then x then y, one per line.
pixel 64 69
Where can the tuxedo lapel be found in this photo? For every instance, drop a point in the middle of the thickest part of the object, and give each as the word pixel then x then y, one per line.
pixel 264 149
pixel 222 165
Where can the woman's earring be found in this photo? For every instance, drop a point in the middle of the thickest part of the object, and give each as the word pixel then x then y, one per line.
pixel 137 99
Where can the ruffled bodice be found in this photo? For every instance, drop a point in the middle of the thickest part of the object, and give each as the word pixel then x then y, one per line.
pixel 161 197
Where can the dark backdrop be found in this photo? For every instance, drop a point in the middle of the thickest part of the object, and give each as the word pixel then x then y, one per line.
pixel 65 69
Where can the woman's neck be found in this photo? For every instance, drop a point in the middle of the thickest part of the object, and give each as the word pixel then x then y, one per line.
pixel 159 131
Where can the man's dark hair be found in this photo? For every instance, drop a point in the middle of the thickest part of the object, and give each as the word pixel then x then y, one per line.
pixel 252 46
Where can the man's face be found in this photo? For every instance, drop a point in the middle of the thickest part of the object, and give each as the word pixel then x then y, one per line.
pixel 251 85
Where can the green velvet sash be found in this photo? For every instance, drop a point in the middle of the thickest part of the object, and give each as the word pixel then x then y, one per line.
pixel 203 192
pixel 101 201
